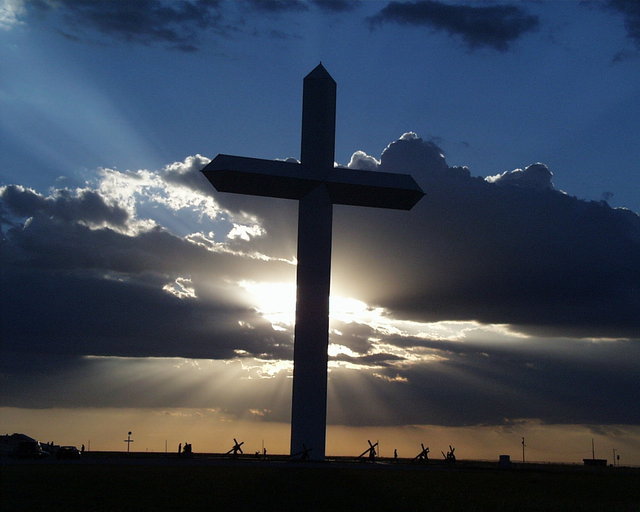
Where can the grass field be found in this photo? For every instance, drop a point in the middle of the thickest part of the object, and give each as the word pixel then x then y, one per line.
pixel 92 486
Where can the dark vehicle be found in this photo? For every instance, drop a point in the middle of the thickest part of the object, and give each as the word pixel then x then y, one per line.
pixel 29 450
pixel 67 452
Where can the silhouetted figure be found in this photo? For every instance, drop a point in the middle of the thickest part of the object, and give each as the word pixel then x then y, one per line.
pixel 395 454
pixel 179 448
pixel 82 449
pixel 187 451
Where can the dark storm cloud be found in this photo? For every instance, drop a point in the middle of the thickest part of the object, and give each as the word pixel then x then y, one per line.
pixel 335 5
pixel 56 313
pixel 630 9
pixel 72 290
pixel 142 21
pixel 83 205
pixel 511 251
pixel 45 243
pixel 556 381
pixel 496 26
pixel 354 336
pixel 62 381
pixel 378 359
pixel 470 383
pixel 277 6
pixel 181 25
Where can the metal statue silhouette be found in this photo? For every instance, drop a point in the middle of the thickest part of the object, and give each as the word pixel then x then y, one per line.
pixel 317 185
pixel 304 454
pixel 369 452
pixel 423 455
pixel 450 455
pixel 237 448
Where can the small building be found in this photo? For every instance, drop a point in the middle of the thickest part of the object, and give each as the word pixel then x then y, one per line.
pixel 10 443
pixel 504 461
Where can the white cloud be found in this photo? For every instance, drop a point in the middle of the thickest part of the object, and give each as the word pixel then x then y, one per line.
pixel 182 288
pixel 10 11
pixel 133 187
pixel 244 232
pixel 360 160
pixel 535 176
pixel 409 136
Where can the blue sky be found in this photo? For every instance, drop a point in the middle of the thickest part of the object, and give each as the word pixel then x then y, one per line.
pixel 555 94
pixel 510 300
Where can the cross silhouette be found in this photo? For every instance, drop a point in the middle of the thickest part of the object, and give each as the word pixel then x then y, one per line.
pixel 128 440
pixel 317 185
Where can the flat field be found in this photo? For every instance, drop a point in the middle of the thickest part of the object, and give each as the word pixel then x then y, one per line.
pixel 144 485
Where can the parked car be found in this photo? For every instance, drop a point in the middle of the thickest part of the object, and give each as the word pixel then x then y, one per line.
pixel 67 452
pixel 29 450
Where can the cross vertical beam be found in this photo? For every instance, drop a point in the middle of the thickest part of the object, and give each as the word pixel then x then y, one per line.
pixel 311 339
pixel 315 213
pixel 317 145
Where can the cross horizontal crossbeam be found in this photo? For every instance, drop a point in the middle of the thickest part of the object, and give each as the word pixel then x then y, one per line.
pixel 288 180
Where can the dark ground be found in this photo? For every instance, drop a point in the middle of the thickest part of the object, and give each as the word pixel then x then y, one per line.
pixel 142 483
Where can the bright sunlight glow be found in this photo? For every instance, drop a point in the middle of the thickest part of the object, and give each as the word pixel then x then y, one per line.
pixel 276 302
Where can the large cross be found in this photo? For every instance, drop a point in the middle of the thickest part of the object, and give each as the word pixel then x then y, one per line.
pixel 317 185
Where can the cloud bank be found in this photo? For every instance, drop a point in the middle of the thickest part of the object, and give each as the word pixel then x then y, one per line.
pixel 509 249
pixel 114 284
pixel 630 10
pixel 183 25
pixel 495 299
pixel 493 26
pixel 176 24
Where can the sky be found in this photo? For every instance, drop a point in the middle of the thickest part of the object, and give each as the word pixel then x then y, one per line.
pixel 505 304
